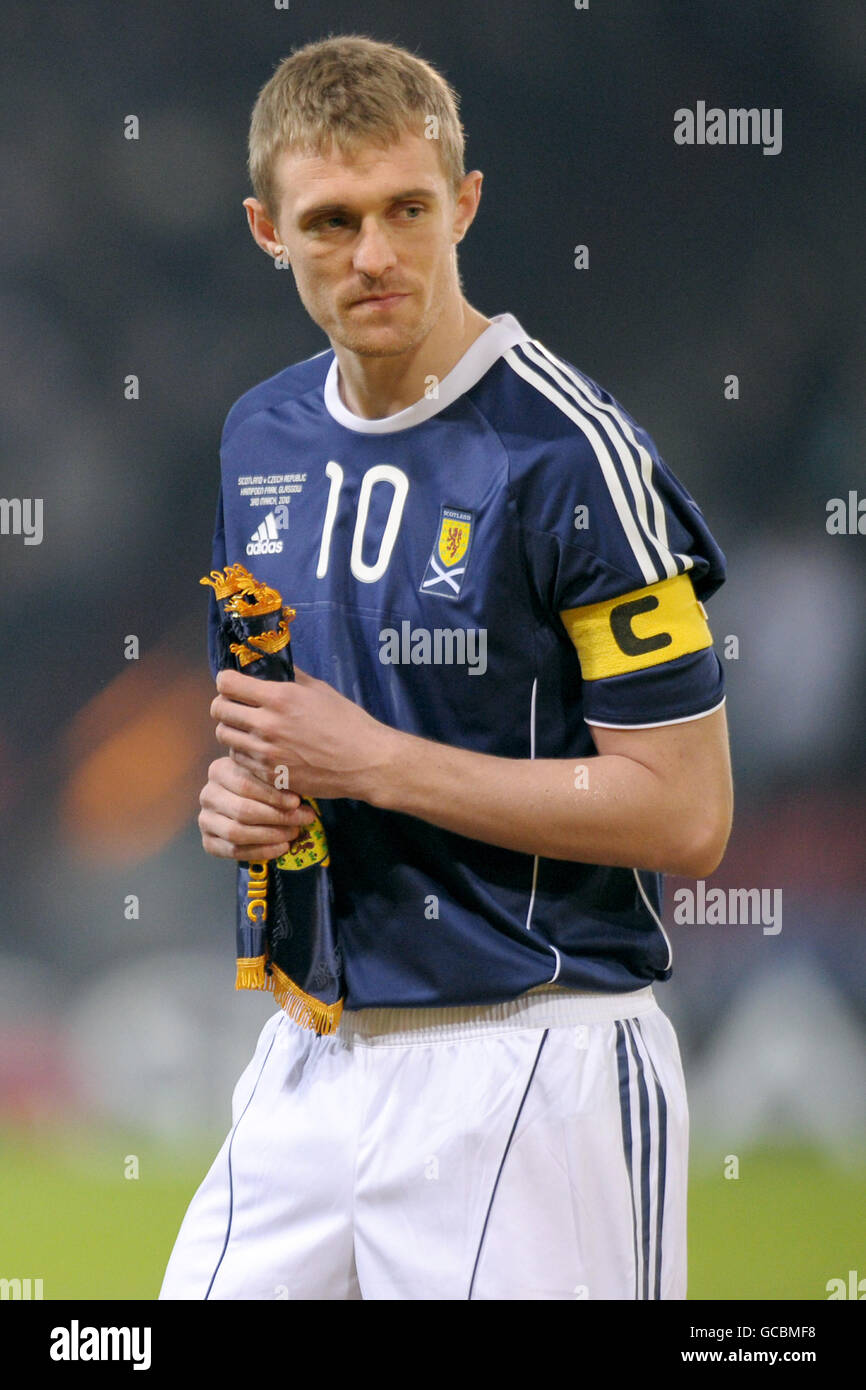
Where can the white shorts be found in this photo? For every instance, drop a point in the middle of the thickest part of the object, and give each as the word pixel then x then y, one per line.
pixel 531 1150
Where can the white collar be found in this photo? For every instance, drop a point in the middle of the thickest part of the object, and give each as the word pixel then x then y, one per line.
pixel 503 332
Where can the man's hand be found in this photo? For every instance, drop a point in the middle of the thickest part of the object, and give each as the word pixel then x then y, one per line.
pixel 657 798
pixel 325 744
pixel 242 817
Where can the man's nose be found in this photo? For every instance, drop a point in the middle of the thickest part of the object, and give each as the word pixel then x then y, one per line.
pixel 374 253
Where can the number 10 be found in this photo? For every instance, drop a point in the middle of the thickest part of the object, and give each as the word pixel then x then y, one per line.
pixel 380 473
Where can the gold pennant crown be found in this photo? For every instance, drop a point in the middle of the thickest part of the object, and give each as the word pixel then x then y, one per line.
pixel 267 643
pixel 277 639
pixel 244 654
pixel 248 597
pixel 256 600
pixel 233 580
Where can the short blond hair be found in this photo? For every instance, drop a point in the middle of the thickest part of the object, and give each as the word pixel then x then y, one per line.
pixel 346 91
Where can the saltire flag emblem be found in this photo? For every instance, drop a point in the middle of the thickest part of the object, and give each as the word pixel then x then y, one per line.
pixel 447 564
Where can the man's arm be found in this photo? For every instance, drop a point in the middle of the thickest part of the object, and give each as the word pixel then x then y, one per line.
pixel 652 799
pixel 657 798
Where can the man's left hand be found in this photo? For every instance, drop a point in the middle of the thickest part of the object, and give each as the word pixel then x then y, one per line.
pixel 328 745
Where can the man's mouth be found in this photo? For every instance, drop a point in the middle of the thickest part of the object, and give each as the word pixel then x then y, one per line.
pixel 383 301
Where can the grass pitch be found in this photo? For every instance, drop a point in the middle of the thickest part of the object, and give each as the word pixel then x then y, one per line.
pixel 71 1216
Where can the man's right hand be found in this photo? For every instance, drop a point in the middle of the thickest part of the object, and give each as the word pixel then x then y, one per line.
pixel 242 817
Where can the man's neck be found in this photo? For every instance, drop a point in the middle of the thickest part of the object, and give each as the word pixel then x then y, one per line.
pixel 374 387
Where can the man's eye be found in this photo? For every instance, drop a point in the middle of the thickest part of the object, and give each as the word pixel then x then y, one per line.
pixel 327 223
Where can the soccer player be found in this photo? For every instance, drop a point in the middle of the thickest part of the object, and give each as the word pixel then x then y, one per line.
pixel 509 708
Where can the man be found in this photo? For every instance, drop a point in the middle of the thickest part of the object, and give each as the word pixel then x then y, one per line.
pixel 509 708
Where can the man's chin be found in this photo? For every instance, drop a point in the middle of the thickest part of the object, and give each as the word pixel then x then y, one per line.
pixel 379 340
pixel 376 350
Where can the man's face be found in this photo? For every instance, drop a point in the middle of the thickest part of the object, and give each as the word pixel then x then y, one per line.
pixel 370 238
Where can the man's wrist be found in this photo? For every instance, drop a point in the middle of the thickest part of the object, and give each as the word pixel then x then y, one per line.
pixel 383 778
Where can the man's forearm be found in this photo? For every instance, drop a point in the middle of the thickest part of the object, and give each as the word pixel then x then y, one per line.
pixel 602 810
pixel 655 796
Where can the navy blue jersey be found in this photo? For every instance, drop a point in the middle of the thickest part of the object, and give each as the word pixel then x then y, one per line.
pixel 497 567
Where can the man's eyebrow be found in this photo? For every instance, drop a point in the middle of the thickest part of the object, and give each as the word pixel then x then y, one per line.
pixel 330 208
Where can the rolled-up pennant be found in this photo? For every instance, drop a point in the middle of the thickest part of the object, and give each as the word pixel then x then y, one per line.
pixel 287 939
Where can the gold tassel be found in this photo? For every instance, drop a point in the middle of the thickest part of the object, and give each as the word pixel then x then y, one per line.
pixel 304 1009
pixel 251 973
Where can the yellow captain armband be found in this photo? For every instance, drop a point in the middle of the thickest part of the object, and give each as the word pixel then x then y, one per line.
pixel 644 628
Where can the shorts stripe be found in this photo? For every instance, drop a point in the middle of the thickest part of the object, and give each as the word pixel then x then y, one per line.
pixel 646 1140
pixel 662 1107
pixel 625 1114
pixel 231 1184
pixel 502 1160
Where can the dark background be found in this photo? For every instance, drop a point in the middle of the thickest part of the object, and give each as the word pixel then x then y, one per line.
pixel 124 257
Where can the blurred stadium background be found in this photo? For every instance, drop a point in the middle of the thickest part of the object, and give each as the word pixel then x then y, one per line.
pixel 121 1036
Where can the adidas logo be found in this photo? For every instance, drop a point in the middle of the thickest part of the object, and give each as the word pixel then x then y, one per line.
pixel 265 540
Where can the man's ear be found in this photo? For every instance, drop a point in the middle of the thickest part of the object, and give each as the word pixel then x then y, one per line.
pixel 466 203
pixel 263 231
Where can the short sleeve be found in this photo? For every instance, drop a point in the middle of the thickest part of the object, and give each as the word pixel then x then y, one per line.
pixel 619 554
